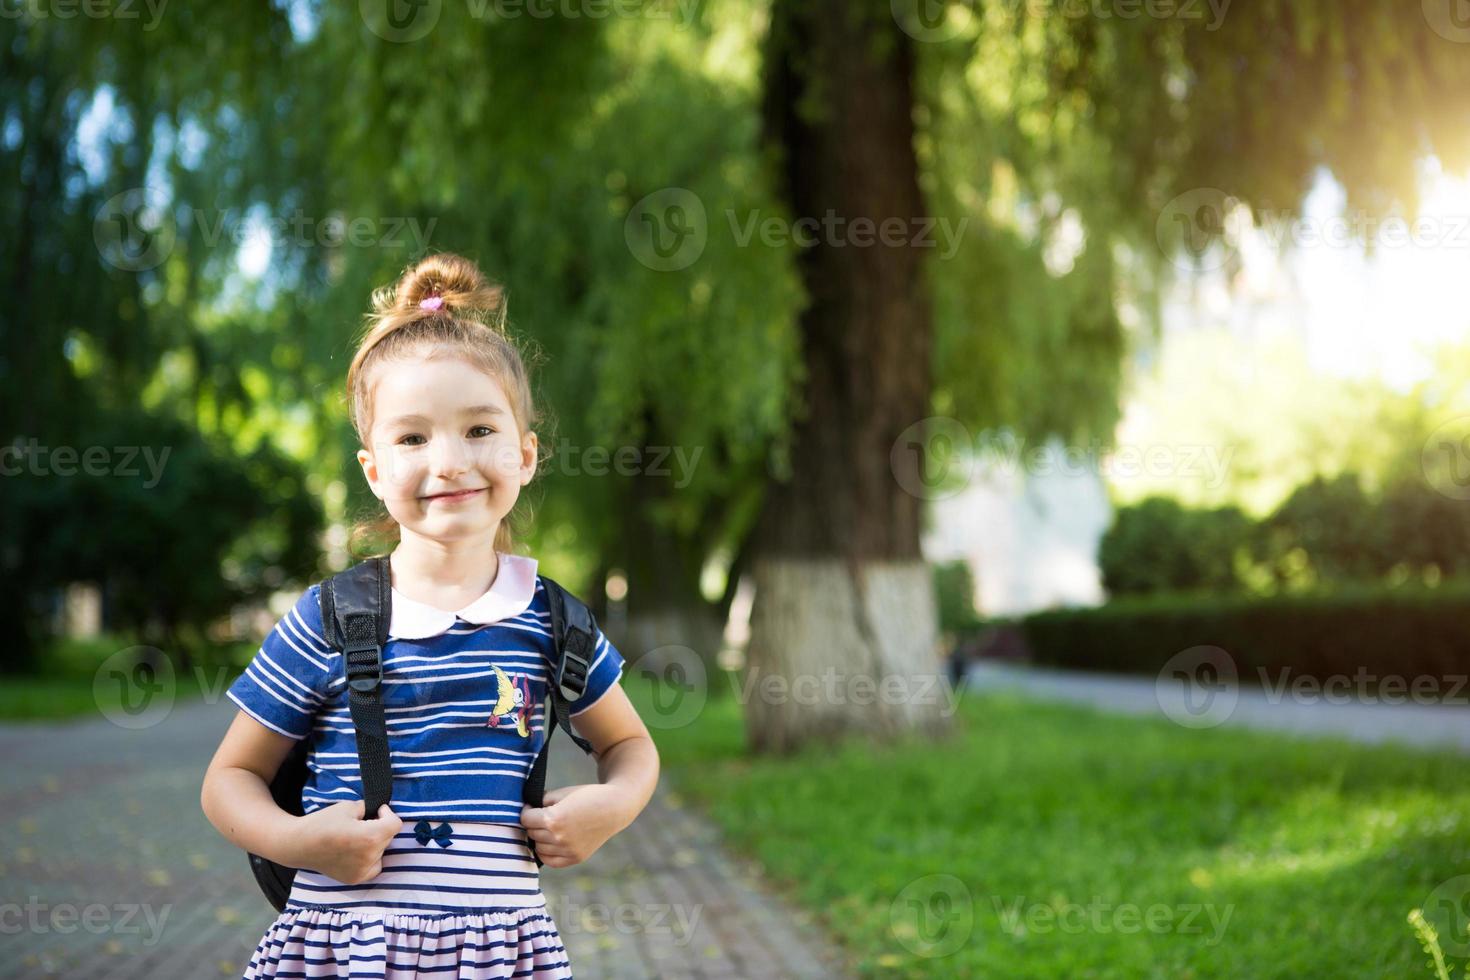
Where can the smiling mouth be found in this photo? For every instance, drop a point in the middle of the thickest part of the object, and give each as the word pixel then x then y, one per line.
pixel 457 495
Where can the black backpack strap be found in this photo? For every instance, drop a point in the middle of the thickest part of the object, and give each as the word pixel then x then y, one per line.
pixel 573 632
pixel 356 606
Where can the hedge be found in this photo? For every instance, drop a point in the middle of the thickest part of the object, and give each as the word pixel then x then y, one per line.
pixel 1406 632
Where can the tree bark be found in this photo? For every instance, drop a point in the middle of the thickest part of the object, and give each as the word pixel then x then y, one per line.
pixel 844 601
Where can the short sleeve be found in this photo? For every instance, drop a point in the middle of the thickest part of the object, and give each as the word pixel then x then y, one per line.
pixel 606 670
pixel 287 680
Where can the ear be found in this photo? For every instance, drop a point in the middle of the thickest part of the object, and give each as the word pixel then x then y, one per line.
pixel 370 471
pixel 529 445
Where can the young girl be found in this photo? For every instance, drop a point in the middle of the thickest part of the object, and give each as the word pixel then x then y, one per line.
pixel 440 882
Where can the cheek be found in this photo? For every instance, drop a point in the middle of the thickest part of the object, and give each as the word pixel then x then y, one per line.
pixel 504 459
pixel 399 470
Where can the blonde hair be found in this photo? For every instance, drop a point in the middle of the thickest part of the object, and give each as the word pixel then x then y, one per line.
pixel 468 322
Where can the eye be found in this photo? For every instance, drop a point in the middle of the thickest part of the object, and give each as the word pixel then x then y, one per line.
pixel 485 429
pixel 405 440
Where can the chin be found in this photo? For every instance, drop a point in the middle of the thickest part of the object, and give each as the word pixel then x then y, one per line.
pixel 455 528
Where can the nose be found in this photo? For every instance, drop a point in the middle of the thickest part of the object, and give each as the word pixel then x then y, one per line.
pixel 450 458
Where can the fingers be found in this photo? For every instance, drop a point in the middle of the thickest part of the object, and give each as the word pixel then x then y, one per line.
pixel 388 823
pixel 534 816
pixel 385 813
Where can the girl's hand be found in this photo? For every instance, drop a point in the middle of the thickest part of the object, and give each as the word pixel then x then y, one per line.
pixel 337 842
pixel 574 822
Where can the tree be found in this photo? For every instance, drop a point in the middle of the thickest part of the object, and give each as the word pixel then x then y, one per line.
pixel 1053 144
pixel 839 579
pixel 120 364
pixel 1144 133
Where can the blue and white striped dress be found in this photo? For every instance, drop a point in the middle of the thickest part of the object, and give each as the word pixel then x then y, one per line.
pixel 459 893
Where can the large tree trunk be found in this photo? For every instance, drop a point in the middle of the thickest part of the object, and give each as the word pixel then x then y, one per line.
pixel 845 617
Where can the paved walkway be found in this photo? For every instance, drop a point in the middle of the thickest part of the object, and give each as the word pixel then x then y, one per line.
pixel 1304 711
pixel 108 869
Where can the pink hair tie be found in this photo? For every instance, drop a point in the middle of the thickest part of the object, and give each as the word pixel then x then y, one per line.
pixel 431 303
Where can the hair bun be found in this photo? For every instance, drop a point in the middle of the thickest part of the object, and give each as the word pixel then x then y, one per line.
pixel 458 282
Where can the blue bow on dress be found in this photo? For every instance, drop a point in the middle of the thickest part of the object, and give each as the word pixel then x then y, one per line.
pixel 423 832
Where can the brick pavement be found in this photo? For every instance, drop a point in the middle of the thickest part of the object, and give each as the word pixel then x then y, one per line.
pixel 108 869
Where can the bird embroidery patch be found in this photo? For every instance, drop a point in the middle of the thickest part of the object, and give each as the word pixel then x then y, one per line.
pixel 513 700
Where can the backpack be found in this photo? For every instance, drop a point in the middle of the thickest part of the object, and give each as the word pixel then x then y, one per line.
pixel 356 610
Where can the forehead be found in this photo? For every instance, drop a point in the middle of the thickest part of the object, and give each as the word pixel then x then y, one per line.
pixel 433 386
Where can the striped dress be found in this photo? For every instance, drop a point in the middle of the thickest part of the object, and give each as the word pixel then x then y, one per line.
pixel 459 893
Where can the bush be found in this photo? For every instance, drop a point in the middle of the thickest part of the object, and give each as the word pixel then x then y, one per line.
pixel 1404 632
pixel 1423 529
pixel 1329 532
pixel 156 550
pixel 1158 545
pixel 1332 524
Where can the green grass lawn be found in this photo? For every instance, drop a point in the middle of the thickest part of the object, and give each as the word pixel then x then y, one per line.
pixel 65 686
pixel 1083 844
pixel 60 698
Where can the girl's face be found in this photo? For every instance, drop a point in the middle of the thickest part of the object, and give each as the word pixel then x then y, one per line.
pixel 447 457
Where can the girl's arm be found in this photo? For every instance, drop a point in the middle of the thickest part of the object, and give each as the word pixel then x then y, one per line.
pixel 236 795
pixel 236 798
pixel 626 757
pixel 574 821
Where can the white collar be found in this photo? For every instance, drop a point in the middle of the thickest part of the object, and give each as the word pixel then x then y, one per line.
pixel 510 595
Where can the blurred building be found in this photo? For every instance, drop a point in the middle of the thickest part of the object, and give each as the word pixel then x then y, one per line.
pixel 1029 530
